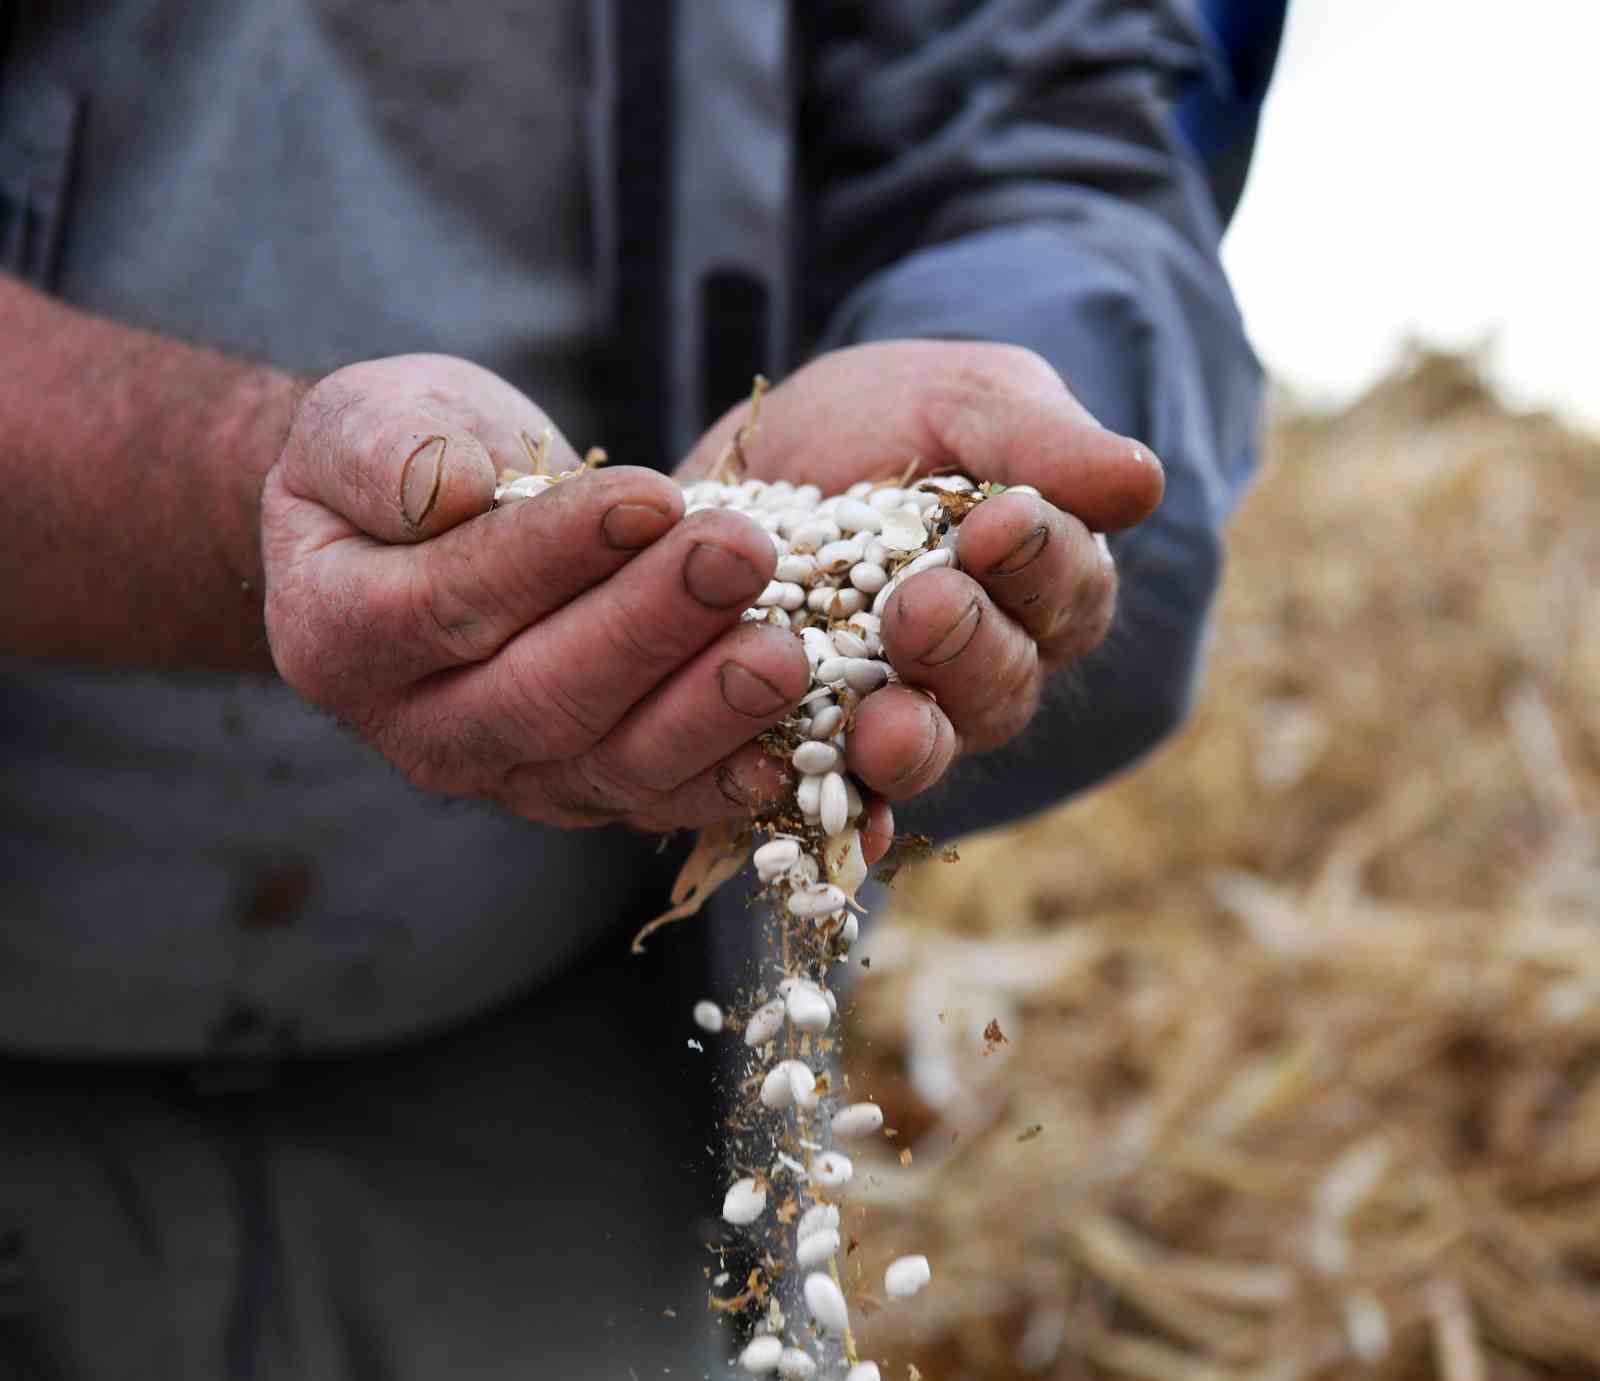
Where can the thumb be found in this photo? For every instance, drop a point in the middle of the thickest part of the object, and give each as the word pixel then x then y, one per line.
pixel 393 468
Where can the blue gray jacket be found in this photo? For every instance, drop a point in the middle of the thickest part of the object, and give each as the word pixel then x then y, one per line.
pixel 765 181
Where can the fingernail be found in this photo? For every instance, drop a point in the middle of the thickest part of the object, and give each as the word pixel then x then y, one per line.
pixel 932 743
pixel 421 478
pixel 730 788
pixel 749 694
pixel 629 526
pixel 1024 554
pixel 718 578
pixel 953 641
pixel 1146 456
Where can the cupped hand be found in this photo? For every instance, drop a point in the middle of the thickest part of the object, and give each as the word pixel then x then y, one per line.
pixel 577 657
pixel 1037 588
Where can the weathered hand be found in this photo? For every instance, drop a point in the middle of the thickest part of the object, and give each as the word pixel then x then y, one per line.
pixel 1036 590
pixel 577 657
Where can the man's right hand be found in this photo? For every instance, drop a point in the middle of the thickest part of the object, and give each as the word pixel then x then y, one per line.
pixel 577 657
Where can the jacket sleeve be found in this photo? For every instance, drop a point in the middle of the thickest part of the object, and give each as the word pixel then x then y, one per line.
pixel 1010 171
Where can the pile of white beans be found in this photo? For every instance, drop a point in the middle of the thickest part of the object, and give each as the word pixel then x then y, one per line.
pixel 839 560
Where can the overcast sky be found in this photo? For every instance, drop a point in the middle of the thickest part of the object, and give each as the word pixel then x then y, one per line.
pixel 1429 168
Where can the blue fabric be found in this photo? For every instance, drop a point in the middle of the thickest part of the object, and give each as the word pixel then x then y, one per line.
pixel 1220 118
pixel 1013 175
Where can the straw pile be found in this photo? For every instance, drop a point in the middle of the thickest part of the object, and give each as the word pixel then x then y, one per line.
pixel 1300 1068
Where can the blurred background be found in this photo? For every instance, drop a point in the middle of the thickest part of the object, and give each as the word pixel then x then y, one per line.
pixel 1295 1070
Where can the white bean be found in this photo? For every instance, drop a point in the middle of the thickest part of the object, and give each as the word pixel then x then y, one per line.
pixel 817 1218
pixel 825 722
pixel 857 1120
pixel 868 577
pixel 795 1365
pixel 777 1092
pixel 808 796
pixel 820 900
pixel 833 1169
pixel 865 674
pixel 744 1202
pixel 803 1085
pixel 837 557
pixel 805 870
pixel 812 759
pixel 831 671
pixel 807 1008
pixel 818 645
pixel 817 1248
pixel 848 643
pixel 776 857
pixel 760 1356
pixel 906 1276
pixel 708 1016
pixel 927 561
pixel 819 597
pixel 887 498
pixel 846 602
pixel 864 1371
pixel 854 516
pixel 849 932
pixel 765 1023
pixel 825 1300
pixel 808 537
pixel 833 805
pixel 797 570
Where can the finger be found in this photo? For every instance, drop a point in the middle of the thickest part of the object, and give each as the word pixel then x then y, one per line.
pixel 745 682
pixel 401 455
pixel 553 793
pixel 557 689
pixel 942 633
pixel 744 783
pixel 1044 569
pixel 901 743
pixel 877 830
pixel 383 616
pixel 996 412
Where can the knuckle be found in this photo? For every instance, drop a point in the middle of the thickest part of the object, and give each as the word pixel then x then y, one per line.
pixel 639 640
pixel 615 782
pixel 549 801
pixel 594 786
pixel 461 616
pixel 552 721
pixel 1012 701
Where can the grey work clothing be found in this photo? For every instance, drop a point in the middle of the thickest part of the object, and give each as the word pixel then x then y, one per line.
pixel 200 868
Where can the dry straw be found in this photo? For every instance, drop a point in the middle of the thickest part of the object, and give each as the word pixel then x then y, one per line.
pixel 1281 1057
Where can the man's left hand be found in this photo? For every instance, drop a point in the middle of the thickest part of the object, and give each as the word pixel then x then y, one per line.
pixel 1036 590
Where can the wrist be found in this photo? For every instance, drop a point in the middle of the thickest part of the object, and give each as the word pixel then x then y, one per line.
pixel 249 426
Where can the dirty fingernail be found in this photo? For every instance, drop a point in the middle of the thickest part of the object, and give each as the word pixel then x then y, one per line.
pixel 718 578
pixel 749 694
pixel 930 745
pixel 420 480
pixel 629 526
pixel 953 641
pixel 730 787
pixel 1024 554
